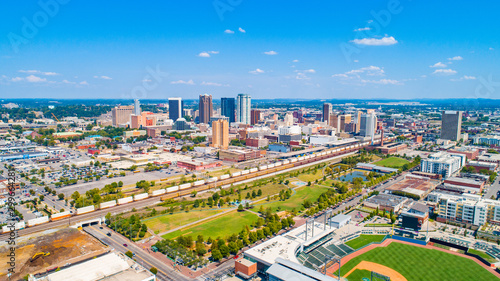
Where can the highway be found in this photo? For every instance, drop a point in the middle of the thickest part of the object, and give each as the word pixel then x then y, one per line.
pixel 117 241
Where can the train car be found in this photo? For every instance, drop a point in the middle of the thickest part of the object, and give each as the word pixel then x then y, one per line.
pixel 263 167
pixel 84 210
pixel 253 170
pixel 59 216
pixel 135 172
pixel 301 158
pixel 237 174
pixel 108 204
pixel 245 172
pixel 307 157
pixel 293 160
pixel 198 183
pixel 158 192
pixel 141 196
pixel 18 226
pixel 172 189
pixel 38 221
pixel 125 200
pixel 277 164
pixel 286 162
pixel 329 151
pixel 164 179
pixel 223 177
pixel 212 179
pixel 270 166
pixel 184 186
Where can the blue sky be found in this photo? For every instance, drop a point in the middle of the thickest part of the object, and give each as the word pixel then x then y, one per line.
pixel 268 49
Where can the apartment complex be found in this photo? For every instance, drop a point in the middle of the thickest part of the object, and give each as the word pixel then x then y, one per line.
pixel 466 208
pixel 489 140
pixel 445 164
pixel 451 124
pixel 220 134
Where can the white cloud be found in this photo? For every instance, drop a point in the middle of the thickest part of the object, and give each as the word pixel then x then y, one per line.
pixel 465 77
pixel 214 84
pixel 228 31
pixel 356 60
pixel 257 71
pixel 84 83
pixel 368 70
pixel 386 41
pixel 207 54
pixel 438 65
pixel 310 71
pixel 383 82
pixel 242 30
pixel 295 61
pixel 190 82
pixel 491 49
pixel 67 82
pixel 35 79
pixel 146 80
pixel 103 77
pixel 271 53
pixel 456 58
pixel 444 72
pixel 39 72
pixel 17 79
pixel 362 29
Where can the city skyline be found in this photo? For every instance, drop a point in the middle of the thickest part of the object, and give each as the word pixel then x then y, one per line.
pixel 321 51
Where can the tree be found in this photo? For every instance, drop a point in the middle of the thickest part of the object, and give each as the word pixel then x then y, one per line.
pixel 240 208
pixel 154 270
pixel 129 254
pixel 216 255
pixel 60 196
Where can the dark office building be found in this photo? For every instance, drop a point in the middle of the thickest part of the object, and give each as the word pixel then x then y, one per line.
pixel 206 108
pixel 175 108
pixel 228 108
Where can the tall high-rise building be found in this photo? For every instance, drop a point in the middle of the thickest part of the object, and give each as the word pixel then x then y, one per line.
pixel 254 116
pixel 451 125
pixel 344 119
pixel 206 108
pixel 327 110
pixel 334 121
pixel 357 120
pixel 137 107
pixel 228 108
pixel 121 114
pixel 175 108
pixel 243 105
pixel 367 125
pixel 220 134
pixel 288 119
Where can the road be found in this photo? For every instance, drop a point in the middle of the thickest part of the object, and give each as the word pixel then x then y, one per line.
pixel 493 189
pixel 117 241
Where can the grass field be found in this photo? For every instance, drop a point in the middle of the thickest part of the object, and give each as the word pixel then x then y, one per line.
pixel 168 221
pixel 416 263
pixel 364 240
pixel 222 226
pixel 302 193
pixel 392 162
pixel 310 177
pixel 483 255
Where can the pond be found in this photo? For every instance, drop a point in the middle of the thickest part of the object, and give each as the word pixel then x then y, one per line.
pixel 351 175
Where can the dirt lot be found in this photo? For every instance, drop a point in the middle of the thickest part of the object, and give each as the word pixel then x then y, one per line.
pixel 65 246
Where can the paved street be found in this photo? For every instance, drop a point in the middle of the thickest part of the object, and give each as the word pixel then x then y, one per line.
pixel 493 189
pixel 117 241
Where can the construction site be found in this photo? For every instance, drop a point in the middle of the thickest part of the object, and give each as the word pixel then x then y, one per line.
pixel 49 250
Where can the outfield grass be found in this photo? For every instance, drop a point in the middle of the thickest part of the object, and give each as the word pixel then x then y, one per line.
pixel 302 193
pixel 358 274
pixel 363 240
pixel 392 162
pixel 483 255
pixel 416 263
pixel 169 221
pixel 223 226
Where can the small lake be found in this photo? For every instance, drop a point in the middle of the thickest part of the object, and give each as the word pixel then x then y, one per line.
pixel 351 175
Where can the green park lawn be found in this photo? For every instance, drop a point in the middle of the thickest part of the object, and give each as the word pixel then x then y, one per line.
pixel 296 200
pixel 363 240
pixel 310 177
pixel 168 221
pixel 223 226
pixel 483 255
pixel 416 263
pixel 392 162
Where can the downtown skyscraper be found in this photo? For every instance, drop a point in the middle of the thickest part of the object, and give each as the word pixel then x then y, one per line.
pixel 228 109
pixel 175 108
pixel 206 108
pixel 243 106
